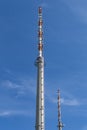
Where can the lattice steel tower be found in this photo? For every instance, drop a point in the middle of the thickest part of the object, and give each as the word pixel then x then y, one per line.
pixel 60 124
pixel 40 76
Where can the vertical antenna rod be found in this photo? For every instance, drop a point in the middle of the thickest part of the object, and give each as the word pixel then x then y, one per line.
pixel 60 124
pixel 40 77
pixel 40 32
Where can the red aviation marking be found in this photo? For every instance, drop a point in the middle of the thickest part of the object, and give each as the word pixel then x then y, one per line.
pixel 40 34
pixel 40 23
pixel 40 46
pixel 40 10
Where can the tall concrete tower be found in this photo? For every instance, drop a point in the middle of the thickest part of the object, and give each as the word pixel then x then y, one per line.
pixel 40 76
pixel 60 124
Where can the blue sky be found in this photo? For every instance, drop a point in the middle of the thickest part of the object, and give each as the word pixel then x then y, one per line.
pixel 65 52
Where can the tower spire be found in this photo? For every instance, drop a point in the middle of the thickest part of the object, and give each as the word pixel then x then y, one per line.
pixel 40 32
pixel 60 124
pixel 40 77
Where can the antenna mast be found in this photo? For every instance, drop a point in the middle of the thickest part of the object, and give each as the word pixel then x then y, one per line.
pixel 60 124
pixel 40 77
pixel 40 32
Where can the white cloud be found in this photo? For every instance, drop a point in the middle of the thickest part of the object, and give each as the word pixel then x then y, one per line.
pixel 67 102
pixel 68 99
pixel 84 128
pixel 22 87
pixel 17 98
pixel 79 8
pixel 10 84
pixel 4 113
pixel 26 88
pixel 70 102
pixel 15 112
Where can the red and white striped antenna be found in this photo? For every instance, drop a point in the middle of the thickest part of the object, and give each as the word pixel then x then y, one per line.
pixel 40 32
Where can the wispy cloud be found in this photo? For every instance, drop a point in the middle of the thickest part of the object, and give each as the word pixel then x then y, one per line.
pixel 67 98
pixel 4 113
pixel 9 84
pixel 85 127
pixel 79 8
pixel 16 97
pixel 64 101
pixel 15 112
pixel 25 89
pixel 21 86
pixel 70 102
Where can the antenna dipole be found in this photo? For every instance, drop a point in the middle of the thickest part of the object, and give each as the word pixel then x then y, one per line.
pixel 60 124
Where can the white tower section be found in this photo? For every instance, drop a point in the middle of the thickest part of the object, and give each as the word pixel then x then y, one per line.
pixel 40 77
